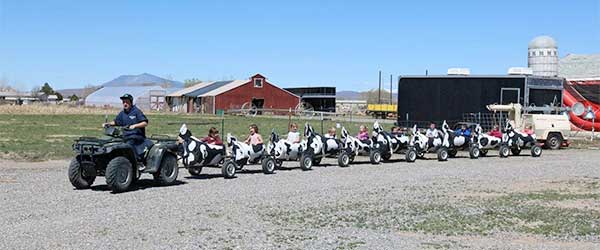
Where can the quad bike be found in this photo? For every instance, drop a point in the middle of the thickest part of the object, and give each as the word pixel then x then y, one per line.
pixel 423 145
pixel 514 141
pixel 243 154
pixel 484 141
pixel 119 161
pixel 280 150
pixel 386 144
pixel 352 147
pixel 461 142
pixel 196 154
pixel 316 147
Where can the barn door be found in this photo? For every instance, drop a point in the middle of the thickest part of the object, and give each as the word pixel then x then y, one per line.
pixel 510 95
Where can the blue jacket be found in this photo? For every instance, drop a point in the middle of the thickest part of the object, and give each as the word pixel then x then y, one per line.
pixel 128 118
pixel 466 132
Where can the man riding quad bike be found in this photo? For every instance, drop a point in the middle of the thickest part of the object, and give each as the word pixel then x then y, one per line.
pixel 124 155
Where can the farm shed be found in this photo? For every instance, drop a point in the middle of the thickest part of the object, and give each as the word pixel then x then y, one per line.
pixel 233 94
pixel 319 98
pixel 450 97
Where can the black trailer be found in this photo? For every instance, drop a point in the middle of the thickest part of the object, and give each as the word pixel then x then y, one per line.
pixel 450 97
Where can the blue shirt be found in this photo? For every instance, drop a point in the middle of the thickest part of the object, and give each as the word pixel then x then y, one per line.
pixel 131 117
pixel 466 132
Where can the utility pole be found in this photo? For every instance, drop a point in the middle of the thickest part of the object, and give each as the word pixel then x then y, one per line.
pixel 379 91
pixel 391 87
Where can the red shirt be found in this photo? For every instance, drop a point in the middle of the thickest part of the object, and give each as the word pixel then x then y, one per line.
pixel 495 133
pixel 213 140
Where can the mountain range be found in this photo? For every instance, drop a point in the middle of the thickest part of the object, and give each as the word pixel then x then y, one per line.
pixel 144 79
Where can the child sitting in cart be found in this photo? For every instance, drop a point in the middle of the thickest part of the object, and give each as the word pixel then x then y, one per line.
pixel 331 133
pixel 213 137
pixel 528 130
pixel 293 136
pixel 495 132
pixel 396 131
pixel 255 139
pixel 363 134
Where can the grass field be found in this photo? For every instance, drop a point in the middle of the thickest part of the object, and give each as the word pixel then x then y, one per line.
pixel 39 137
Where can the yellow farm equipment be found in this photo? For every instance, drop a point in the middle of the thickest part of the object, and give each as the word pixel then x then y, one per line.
pixel 382 110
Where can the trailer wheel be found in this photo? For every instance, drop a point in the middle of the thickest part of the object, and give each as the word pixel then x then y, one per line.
pixel 268 165
pixel 306 162
pixel 442 154
pixel 504 151
pixel 474 152
pixel 343 159
pixel 553 141
pixel 375 156
pixel 411 155
pixel 228 169
pixel 536 151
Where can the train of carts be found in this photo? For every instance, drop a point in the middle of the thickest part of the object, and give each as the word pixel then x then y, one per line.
pixel 97 157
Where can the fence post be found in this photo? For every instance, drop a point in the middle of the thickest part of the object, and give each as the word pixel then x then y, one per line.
pixel 321 123
pixel 222 125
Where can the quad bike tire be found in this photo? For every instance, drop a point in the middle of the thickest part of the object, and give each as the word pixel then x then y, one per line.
pixel 268 165
pixel 504 151
pixel 442 154
pixel 536 151
pixel 195 171
pixel 515 151
pixel 306 162
pixel 474 152
pixel 119 174
pixel 77 176
pixel 344 159
pixel 375 156
pixel 168 171
pixel 228 169
pixel 411 155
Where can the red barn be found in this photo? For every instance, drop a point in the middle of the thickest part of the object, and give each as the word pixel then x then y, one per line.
pixel 209 97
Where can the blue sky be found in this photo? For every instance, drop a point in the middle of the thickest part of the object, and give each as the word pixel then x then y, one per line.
pixel 294 43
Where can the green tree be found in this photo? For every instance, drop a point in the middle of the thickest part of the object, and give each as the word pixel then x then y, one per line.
pixel 47 89
pixel 73 98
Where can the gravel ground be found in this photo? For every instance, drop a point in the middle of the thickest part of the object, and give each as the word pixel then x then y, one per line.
pixel 389 206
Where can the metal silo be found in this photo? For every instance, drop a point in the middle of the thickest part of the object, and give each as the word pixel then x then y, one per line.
pixel 543 56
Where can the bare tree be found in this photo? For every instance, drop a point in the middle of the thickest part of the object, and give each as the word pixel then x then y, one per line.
pixel 191 82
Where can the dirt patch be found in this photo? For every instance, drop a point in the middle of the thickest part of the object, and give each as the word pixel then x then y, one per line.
pixel 576 185
pixel 582 204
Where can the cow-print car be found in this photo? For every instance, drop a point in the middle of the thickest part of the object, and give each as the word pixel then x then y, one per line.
pixel 386 144
pixel 352 147
pixel 438 144
pixel 484 141
pixel 513 141
pixel 280 150
pixel 243 154
pixel 316 147
pixel 196 154
pixel 462 142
